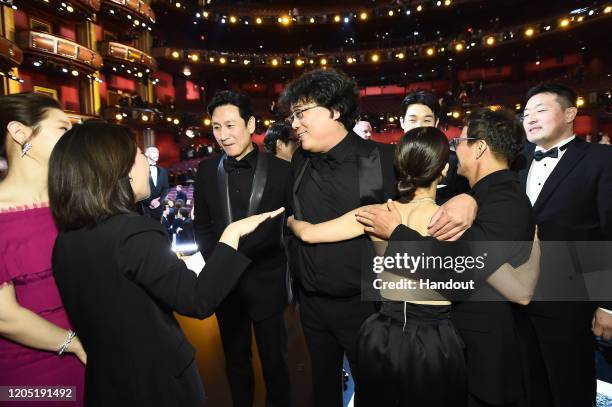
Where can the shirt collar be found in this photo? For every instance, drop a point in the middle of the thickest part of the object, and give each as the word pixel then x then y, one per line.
pixel 558 145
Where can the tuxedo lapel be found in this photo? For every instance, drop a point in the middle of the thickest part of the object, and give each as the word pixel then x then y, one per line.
pixel 369 171
pixel 222 186
pixel 259 183
pixel 572 156
pixel 523 171
pixel 297 207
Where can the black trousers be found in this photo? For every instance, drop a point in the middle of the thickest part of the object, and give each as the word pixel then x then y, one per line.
pixel 271 337
pixel 331 327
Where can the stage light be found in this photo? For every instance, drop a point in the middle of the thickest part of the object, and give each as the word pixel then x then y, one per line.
pixel 323 61
pixel 258 20
pixel 430 51
pixel 169 119
pixel 211 59
pixel 459 47
pixel 233 19
pixel 222 60
pixel 176 121
pixel 517 106
pixel 299 62
pixel 207 122
pixel 312 20
pixel 205 14
pixel 246 62
pixel 144 118
pixel 419 8
pixel 275 62
pixel 119 116
pixel 267 122
pixel 580 101
pixel 375 58
pixel 177 4
pixel 175 54
pixel 195 57
pixel 70 9
pixel 337 19
pixel 391 13
pixel 189 133
pixel 456 115
pixel 391 119
pixel 529 32
pixel 350 60
pixel 75 72
pixel 363 16
pixel 139 74
pixel 608 9
pixel 564 23
pixel 346 20
pixel 447 2
pixel 400 55
pixel 490 40
pixel 187 72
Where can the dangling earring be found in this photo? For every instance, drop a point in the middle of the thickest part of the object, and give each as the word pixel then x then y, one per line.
pixel 25 148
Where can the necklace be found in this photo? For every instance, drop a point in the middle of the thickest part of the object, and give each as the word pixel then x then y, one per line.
pixel 425 199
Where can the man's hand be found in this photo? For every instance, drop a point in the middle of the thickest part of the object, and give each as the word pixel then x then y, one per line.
pixel 602 324
pixel 453 218
pixel 154 203
pixel 379 221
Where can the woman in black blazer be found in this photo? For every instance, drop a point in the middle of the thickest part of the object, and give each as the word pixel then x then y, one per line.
pixel 120 282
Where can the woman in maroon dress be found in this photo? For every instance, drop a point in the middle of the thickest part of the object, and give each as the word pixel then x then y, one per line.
pixel 37 346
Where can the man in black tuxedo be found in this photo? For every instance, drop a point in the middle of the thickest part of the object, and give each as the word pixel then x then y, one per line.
pixel 158 182
pixel 241 182
pixel 499 337
pixel 569 184
pixel 180 194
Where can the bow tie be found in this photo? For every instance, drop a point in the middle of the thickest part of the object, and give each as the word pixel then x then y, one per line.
pixel 322 160
pixel 231 165
pixel 552 153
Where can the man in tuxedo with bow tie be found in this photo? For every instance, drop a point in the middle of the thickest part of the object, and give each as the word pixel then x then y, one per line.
pixel 241 182
pixel 158 183
pixel 569 184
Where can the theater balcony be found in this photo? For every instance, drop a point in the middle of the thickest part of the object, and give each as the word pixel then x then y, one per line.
pixel 135 10
pixel 10 54
pixel 89 7
pixel 60 50
pixel 115 53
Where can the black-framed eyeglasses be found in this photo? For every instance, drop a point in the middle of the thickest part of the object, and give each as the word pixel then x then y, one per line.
pixel 453 143
pixel 299 113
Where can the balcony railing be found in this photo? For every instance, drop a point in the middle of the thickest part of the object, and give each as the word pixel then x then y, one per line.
pixel 61 49
pixel 126 54
pixel 136 8
pixel 10 53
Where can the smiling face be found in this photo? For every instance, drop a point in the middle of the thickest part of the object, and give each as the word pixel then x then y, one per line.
pixel 546 121
pixel 312 126
pixel 231 132
pixel 418 115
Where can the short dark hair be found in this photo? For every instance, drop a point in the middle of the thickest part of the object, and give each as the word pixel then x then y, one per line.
pixel 422 97
pixel 501 129
pixel 329 88
pixel 27 108
pixel 185 212
pixel 565 95
pixel 278 131
pixel 89 174
pixel 420 158
pixel 229 97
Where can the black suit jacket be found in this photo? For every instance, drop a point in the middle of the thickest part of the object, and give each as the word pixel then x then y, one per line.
pixel 494 346
pixel 575 204
pixel 160 191
pixel 120 284
pixel 263 286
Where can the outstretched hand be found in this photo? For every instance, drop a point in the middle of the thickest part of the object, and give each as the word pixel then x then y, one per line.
pixel 380 221
pixel 234 231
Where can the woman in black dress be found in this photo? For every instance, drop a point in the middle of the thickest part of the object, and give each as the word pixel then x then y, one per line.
pixel 118 278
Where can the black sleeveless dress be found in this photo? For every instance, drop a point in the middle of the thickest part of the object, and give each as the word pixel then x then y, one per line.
pixel 411 355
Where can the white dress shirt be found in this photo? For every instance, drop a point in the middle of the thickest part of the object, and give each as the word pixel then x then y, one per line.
pixel 153 171
pixel 541 170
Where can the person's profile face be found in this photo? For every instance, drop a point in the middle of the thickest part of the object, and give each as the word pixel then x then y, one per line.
pixel 363 130
pixel 418 115
pixel 230 130
pixel 544 118
pixel 465 155
pixel 50 129
pixel 311 124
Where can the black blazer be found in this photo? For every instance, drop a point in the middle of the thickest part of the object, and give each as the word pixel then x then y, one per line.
pixel 162 188
pixel 263 286
pixel 575 204
pixel 120 284
pixel 494 346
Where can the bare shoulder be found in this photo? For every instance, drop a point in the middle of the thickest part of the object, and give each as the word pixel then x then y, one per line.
pixel 419 217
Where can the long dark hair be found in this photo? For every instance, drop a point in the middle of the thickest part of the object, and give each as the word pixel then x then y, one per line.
pixel 420 158
pixel 89 174
pixel 27 108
